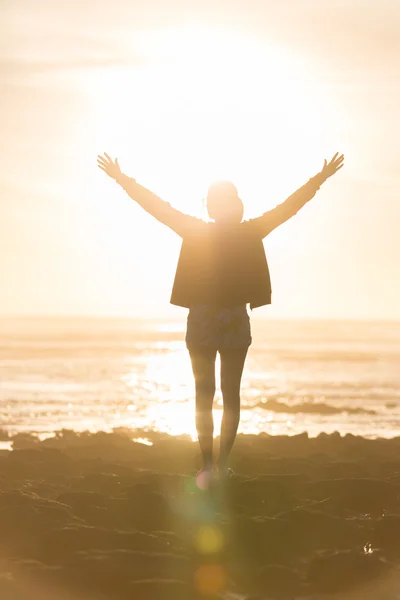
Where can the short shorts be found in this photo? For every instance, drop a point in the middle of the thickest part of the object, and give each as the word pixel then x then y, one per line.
pixel 218 328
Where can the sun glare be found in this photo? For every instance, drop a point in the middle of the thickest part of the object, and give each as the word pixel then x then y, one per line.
pixel 208 104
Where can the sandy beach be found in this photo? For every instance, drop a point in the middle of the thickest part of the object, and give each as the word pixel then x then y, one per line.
pixel 101 517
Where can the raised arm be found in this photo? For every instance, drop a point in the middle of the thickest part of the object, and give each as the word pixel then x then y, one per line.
pixel 271 219
pixel 158 208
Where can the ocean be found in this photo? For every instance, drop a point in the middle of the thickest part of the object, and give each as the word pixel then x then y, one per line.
pixel 101 374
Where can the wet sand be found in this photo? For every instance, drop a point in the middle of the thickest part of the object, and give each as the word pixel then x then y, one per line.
pixel 101 517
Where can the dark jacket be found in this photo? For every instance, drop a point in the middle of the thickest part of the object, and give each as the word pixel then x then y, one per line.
pixel 222 265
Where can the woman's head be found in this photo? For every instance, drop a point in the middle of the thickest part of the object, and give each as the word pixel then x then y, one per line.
pixel 223 203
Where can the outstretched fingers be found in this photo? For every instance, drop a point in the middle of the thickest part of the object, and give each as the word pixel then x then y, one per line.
pixel 103 160
pixel 334 165
pixel 338 160
pixel 335 159
pixel 337 163
pixel 106 164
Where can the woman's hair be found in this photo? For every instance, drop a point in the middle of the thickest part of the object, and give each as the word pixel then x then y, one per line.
pixel 223 202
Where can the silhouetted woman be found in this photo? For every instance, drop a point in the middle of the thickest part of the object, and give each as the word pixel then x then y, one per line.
pixel 222 267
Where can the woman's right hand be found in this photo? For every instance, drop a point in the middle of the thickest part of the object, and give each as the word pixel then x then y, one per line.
pixel 112 169
pixel 333 166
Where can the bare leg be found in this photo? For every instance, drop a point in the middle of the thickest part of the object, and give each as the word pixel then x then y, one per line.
pixel 203 365
pixel 232 363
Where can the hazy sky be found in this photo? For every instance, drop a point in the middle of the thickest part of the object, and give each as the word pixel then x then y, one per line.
pixel 182 93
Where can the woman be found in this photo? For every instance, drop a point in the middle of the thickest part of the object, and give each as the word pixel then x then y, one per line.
pixel 222 267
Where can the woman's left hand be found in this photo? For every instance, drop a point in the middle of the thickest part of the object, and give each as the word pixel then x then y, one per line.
pixel 110 167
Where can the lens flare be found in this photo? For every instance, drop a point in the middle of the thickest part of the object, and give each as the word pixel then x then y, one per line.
pixel 210 579
pixel 209 540
pixel 204 479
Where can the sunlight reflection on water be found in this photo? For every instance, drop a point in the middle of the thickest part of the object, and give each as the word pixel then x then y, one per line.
pixel 139 376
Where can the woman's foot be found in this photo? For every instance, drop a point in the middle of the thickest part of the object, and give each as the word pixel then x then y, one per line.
pixel 225 473
pixel 204 478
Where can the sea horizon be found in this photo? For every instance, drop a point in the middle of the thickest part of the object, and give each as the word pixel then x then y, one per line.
pixel 112 317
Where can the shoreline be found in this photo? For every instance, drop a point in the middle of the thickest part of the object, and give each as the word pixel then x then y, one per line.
pixel 29 438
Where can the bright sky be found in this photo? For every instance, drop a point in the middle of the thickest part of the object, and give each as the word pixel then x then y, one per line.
pixel 184 93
